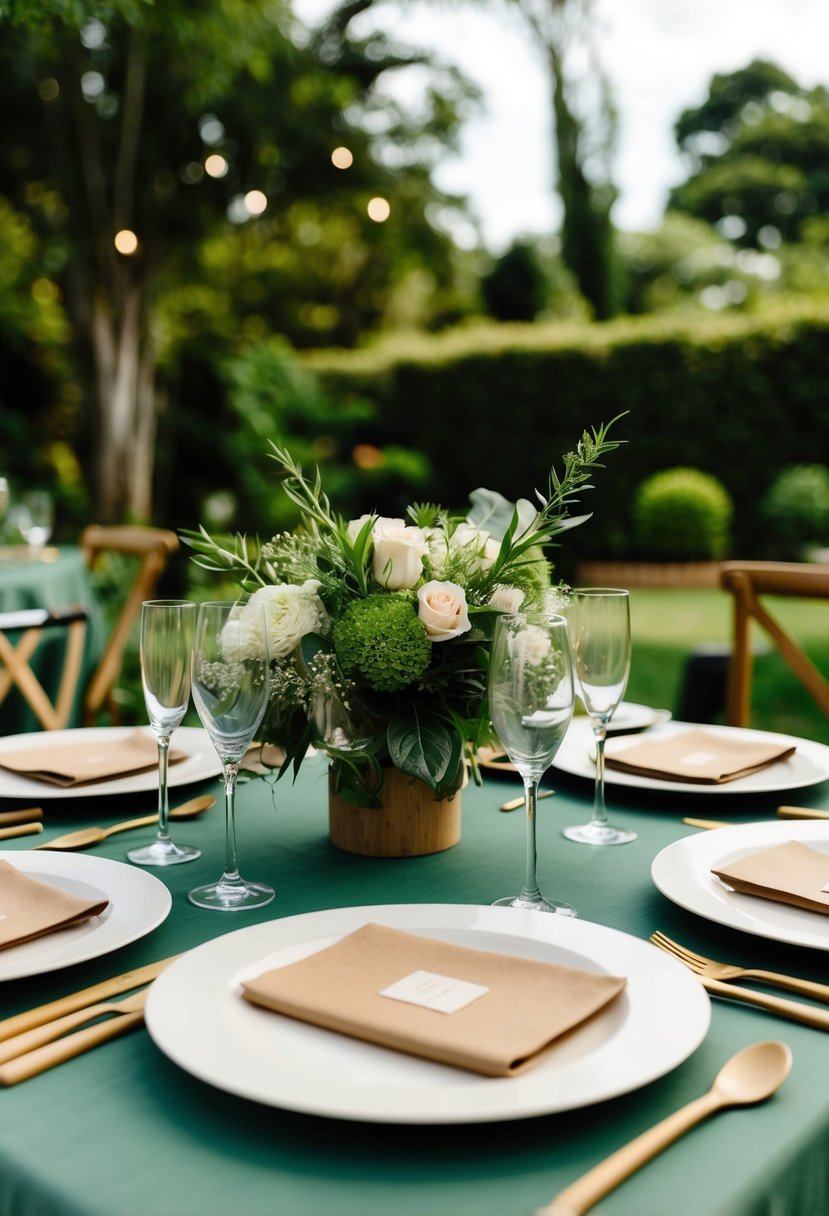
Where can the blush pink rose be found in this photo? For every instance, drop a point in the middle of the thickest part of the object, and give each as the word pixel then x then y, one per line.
pixel 442 610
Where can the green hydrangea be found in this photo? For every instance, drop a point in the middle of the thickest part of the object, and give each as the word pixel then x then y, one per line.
pixel 382 640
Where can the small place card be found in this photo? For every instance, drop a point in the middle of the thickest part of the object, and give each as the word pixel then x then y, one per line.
pixel 432 991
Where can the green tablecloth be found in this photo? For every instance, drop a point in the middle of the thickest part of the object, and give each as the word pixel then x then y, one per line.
pixel 123 1132
pixel 60 583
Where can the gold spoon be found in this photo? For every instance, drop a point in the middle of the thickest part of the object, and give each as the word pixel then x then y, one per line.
pixel 85 837
pixel 750 1076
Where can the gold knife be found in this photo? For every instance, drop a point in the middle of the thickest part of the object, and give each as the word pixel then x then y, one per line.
pixel 801 812
pixel 795 1011
pixel 86 996
pixel 43 1058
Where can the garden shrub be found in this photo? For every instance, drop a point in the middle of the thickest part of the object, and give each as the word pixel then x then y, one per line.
pixel 796 508
pixel 738 396
pixel 682 514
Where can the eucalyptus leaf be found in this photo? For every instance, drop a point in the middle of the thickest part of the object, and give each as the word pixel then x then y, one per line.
pixel 492 513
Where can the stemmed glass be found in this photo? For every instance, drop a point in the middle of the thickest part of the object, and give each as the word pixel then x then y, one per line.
pixel 231 686
pixel 531 705
pixel 36 519
pixel 165 648
pixel 599 622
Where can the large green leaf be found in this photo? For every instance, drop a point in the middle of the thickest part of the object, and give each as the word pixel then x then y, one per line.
pixel 422 745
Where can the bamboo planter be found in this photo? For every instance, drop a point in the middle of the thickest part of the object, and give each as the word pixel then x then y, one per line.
pixel 410 822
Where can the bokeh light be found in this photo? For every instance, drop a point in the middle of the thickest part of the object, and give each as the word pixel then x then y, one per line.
pixel 126 241
pixel 378 209
pixel 341 158
pixel 256 202
pixel 215 165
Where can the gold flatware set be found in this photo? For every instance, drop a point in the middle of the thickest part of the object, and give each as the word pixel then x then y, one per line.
pixel 37 1040
pixel 715 977
pixel 783 812
pixel 28 822
pixel 85 837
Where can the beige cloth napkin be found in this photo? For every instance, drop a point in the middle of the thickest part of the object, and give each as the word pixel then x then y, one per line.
pixel 72 764
pixel 790 873
pixel 697 756
pixel 514 1008
pixel 29 908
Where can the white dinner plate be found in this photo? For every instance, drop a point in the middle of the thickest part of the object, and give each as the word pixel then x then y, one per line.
pixel 682 872
pixel 201 763
pixel 197 1017
pixel 138 903
pixel 808 766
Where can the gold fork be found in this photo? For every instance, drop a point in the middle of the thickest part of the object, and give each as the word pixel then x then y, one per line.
pixel 714 970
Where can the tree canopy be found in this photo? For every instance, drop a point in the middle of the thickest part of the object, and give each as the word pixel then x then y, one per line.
pixel 759 151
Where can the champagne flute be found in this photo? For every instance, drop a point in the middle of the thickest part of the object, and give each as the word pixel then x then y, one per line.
pixel 599 623
pixel 531 705
pixel 165 647
pixel 231 686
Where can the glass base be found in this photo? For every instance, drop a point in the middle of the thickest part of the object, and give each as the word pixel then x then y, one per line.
pixel 598 833
pixel 535 905
pixel 163 853
pixel 232 895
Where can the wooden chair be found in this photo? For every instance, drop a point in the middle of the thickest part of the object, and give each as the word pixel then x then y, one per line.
pixel 21 635
pixel 152 547
pixel 747 582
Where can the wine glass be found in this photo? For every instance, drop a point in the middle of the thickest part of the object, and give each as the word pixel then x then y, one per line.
pixel 531 705
pixel 166 645
pixel 36 519
pixel 231 686
pixel 599 623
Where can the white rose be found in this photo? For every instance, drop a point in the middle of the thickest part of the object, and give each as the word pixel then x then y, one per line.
pixel 355 526
pixel 442 609
pixel 479 542
pixel 506 599
pixel 290 612
pixel 398 554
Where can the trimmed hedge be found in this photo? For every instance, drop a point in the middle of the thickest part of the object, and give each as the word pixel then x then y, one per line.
pixel 737 397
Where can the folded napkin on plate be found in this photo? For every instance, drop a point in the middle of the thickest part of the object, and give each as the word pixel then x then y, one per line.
pixel 491 1013
pixel 29 908
pixel 72 764
pixel 790 873
pixel 698 756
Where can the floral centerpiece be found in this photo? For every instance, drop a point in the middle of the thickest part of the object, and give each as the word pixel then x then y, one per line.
pixel 380 628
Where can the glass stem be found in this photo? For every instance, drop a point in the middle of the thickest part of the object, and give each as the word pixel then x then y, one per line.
pixel 163 796
pixel 531 890
pixel 231 772
pixel 599 809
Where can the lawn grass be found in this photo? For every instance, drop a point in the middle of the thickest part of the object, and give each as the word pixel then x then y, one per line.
pixel 667 626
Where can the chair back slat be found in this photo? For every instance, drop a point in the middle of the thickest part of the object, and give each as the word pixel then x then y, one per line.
pixel 17 653
pixel 152 547
pixel 747 582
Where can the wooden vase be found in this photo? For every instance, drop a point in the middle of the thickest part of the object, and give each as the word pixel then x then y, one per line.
pixel 410 822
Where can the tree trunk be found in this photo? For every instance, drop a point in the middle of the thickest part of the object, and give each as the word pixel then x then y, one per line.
pixel 586 232
pixel 125 406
